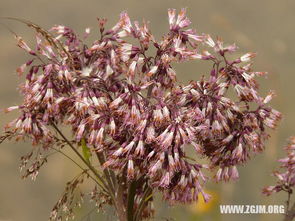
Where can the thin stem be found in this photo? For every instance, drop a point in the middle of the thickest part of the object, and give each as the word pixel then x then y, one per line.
pixel 88 214
pixel 101 160
pixel 84 170
pixel 288 200
pixel 82 158
pixel 290 213
pixel 144 200
pixel 114 179
pixel 67 156
pixel 112 174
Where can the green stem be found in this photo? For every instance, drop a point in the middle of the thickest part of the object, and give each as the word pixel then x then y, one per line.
pixel 130 203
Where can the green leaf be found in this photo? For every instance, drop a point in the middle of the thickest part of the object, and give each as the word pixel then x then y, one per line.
pixel 148 198
pixel 85 150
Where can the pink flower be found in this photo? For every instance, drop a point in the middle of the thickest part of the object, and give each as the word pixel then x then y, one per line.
pixel 120 95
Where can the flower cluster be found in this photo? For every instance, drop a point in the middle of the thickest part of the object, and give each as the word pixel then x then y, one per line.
pixel 286 178
pixel 123 99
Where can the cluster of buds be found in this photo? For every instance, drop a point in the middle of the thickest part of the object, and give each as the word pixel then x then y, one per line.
pixel 125 102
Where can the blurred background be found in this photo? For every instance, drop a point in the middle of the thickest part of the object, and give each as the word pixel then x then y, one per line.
pixel 265 26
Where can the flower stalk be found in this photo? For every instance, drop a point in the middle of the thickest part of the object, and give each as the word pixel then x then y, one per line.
pixel 285 180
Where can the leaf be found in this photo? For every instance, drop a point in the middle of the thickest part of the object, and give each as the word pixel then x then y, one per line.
pixel 148 197
pixel 85 150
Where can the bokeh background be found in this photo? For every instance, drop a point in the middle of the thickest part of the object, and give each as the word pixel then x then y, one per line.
pixel 264 26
